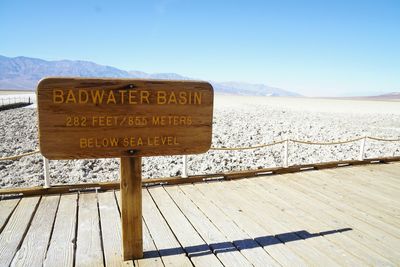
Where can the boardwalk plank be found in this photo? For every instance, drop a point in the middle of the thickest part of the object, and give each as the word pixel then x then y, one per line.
pixel 110 220
pixel 151 256
pixel 385 179
pixel 366 234
pixel 317 221
pixel 274 224
pixel 7 206
pixel 373 192
pixel 34 247
pixel 88 249
pixel 171 252
pixel 279 251
pixel 258 196
pixel 391 171
pixel 357 206
pixel 13 232
pixel 214 236
pixel 192 242
pixel 63 239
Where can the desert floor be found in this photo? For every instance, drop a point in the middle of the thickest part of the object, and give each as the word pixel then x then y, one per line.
pixel 238 121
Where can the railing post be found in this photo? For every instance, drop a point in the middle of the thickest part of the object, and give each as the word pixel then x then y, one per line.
pixel 362 147
pixel 286 159
pixel 184 166
pixel 46 172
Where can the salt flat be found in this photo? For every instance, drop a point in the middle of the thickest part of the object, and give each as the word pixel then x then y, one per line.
pixel 351 106
pixel 238 121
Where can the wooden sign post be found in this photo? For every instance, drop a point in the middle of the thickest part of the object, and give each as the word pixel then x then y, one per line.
pixel 131 192
pixel 83 118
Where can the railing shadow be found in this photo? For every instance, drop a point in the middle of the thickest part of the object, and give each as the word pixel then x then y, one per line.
pixel 223 247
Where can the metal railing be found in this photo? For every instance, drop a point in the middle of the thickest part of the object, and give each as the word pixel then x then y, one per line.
pixel 185 162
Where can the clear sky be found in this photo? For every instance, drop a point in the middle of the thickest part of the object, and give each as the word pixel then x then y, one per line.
pixel 316 48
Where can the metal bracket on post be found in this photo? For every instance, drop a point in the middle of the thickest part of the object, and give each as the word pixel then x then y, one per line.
pixel 286 160
pixel 184 166
pixel 362 148
pixel 46 172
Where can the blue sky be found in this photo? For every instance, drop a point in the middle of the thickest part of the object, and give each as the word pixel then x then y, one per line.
pixel 316 48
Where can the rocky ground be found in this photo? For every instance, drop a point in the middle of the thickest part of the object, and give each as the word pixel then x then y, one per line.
pixel 237 122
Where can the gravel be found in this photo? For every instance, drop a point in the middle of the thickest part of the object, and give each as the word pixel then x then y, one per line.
pixel 238 122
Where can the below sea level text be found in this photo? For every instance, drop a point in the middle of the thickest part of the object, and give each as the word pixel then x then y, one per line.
pixel 99 142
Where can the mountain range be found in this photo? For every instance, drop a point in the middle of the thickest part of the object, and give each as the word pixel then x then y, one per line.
pixel 23 73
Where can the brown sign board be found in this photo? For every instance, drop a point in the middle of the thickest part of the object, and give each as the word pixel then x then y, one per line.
pixel 109 118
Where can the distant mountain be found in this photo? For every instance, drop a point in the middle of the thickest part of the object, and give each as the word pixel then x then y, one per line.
pixel 23 73
pixel 393 95
pixel 239 88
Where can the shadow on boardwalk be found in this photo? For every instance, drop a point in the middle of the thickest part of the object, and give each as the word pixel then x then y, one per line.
pixel 262 241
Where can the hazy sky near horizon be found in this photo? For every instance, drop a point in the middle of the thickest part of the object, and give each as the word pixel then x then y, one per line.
pixel 315 48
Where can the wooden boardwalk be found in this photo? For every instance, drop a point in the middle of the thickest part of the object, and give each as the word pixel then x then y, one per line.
pixel 346 216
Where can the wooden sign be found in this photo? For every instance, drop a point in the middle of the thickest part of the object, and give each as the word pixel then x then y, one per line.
pixel 108 118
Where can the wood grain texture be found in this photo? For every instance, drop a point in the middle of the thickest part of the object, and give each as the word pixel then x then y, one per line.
pixel 14 231
pixel 111 230
pixel 151 256
pixel 304 231
pixel 63 239
pixel 317 221
pixel 382 212
pixel 275 225
pixel 7 206
pixel 131 208
pixel 188 237
pixel 364 233
pixel 186 196
pixel 172 254
pixel 275 247
pixel 34 247
pixel 73 124
pixel 88 249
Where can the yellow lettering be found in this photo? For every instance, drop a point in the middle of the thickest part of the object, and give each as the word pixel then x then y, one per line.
pixel 82 143
pixel 111 98
pixel 172 98
pixel 125 142
pixel 70 97
pixel 122 94
pixel 197 98
pixel 161 97
pixel 105 142
pixel 133 143
pixel 97 97
pixel 114 141
pixel 90 142
pixel 182 98
pixel 83 96
pixel 144 97
pixel 182 120
pixel 109 121
pixel 58 96
pixel 156 140
pixel 101 121
pixel 139 141
pixel 156 120
pixel 132 97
